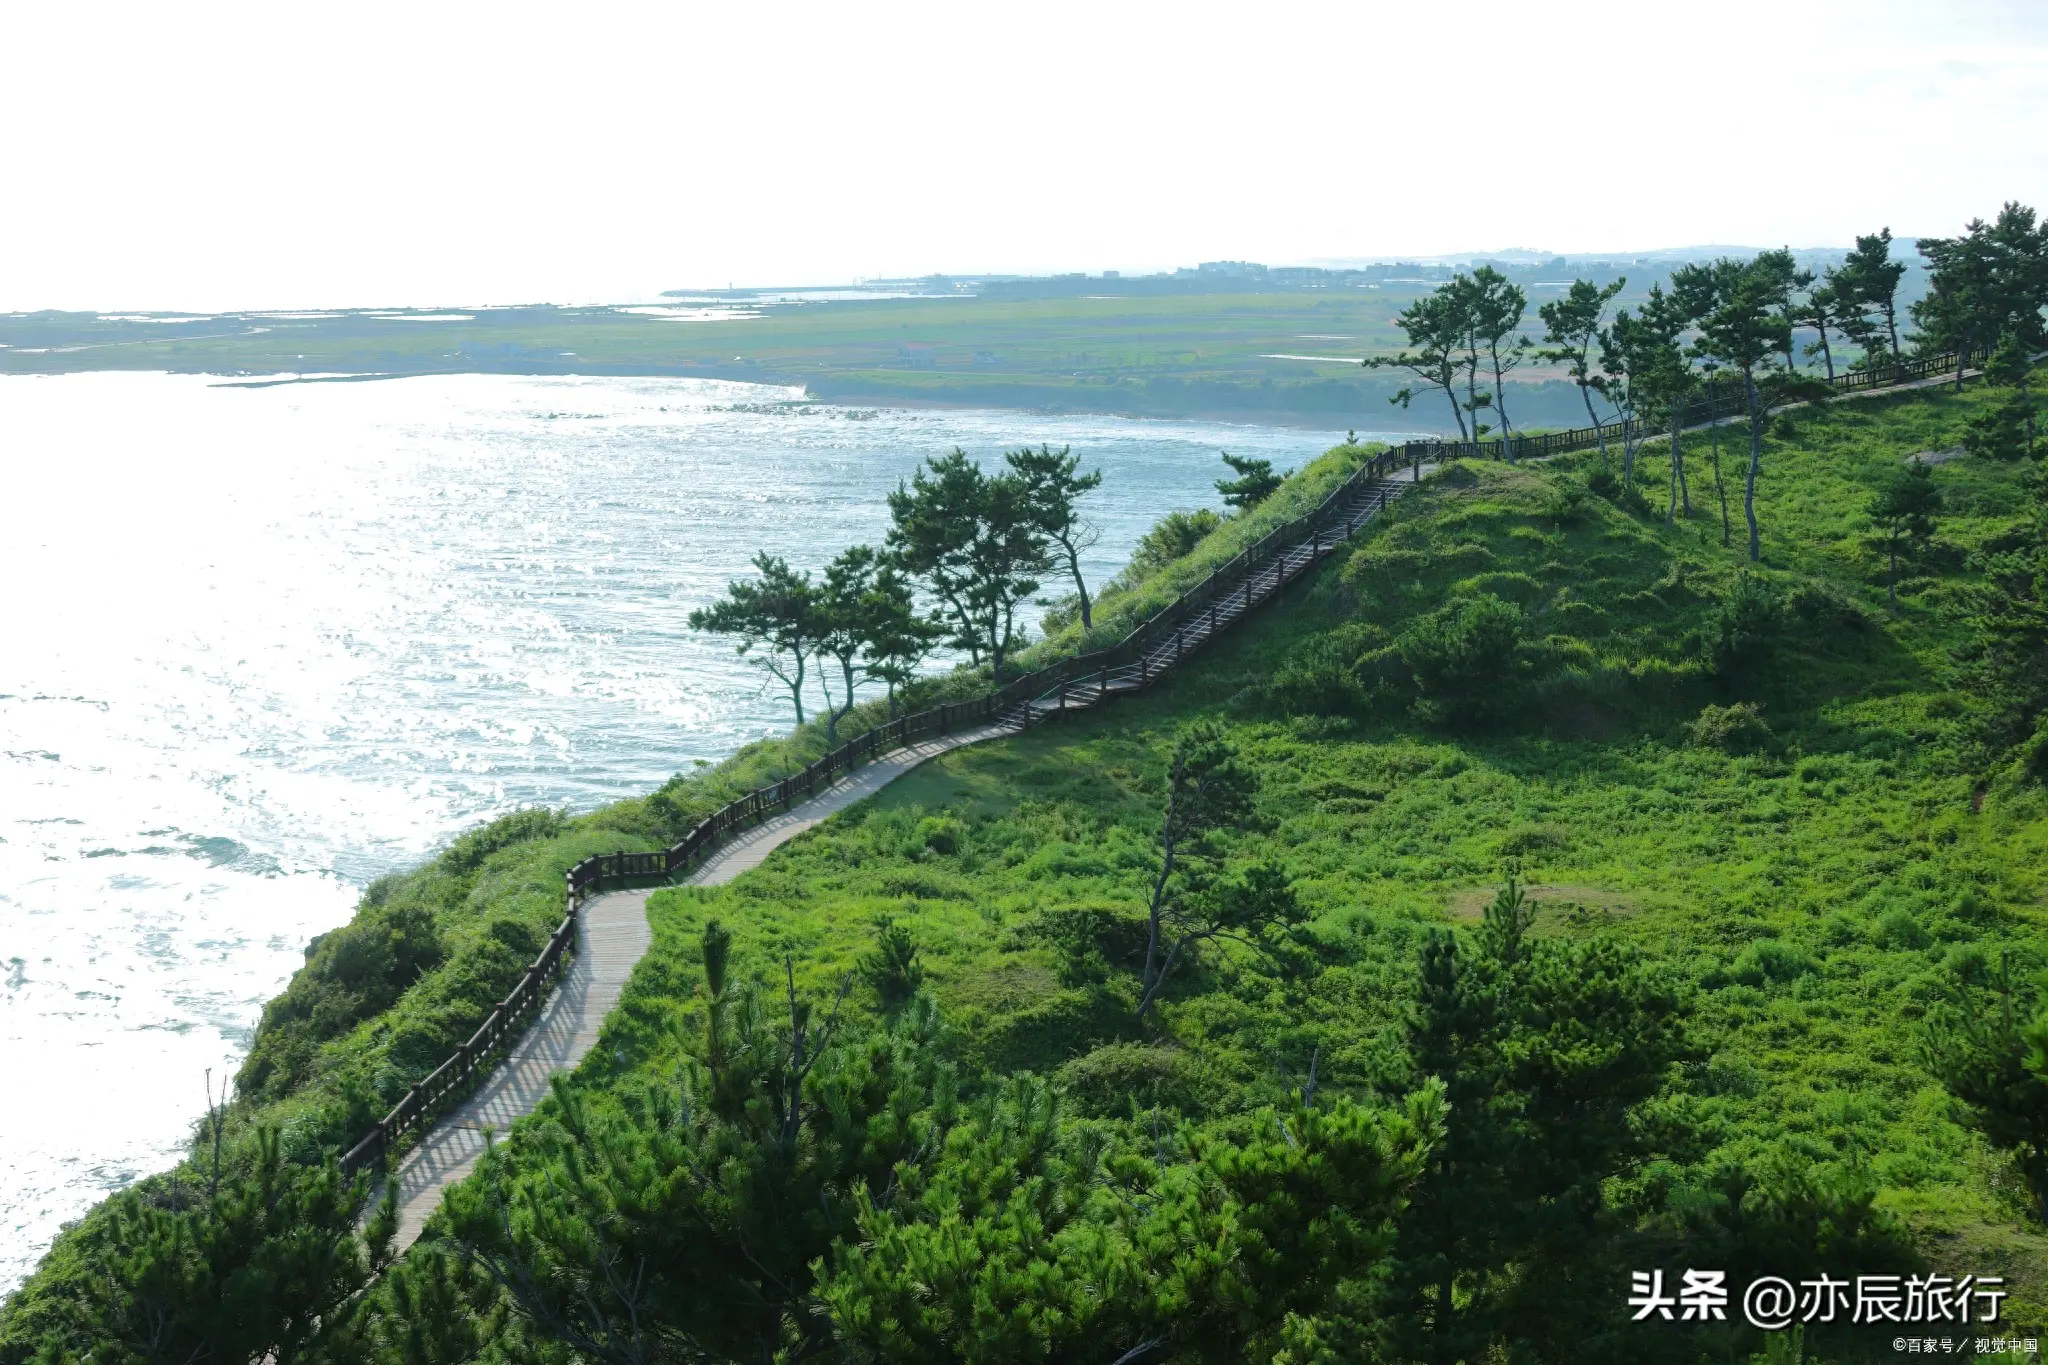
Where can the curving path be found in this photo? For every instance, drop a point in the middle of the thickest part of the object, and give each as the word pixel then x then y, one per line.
pixel 611 936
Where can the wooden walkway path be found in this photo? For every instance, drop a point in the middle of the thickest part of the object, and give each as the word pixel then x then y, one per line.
pixel 612 936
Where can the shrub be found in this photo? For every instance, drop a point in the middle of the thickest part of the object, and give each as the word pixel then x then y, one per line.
pixel 891 969
pixel 1115 1077
pixel 1769 960
pixel 1465 659
pixel 1526 839
pixel 940 833
pixel 1824 607
pixel 1743 628
pixel 1733 729
pixel 1175 537
pixel 1093 941
pixel 1898 929
pixel 467 853
pixel 1322 677
pixel 351 973
pixel 1566 502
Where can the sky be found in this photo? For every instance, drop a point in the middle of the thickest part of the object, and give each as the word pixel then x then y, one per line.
pixel 218 156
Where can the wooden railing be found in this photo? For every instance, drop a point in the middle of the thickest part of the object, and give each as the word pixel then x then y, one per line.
pixel 454 1076
pixel 1721 400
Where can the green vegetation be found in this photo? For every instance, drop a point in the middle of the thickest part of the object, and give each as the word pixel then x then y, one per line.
pixel 1272 356
pixel 1544 891
pixel 1255 482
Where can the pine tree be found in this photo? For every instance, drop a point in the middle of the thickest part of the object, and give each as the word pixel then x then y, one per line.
pixel 642 1224
pixel 1053 488
pixel 1435 327
pixel 268 1265
pixel 1545 1048
pixel 1866 290
pixel 776 615
pixel 977 542
pixel 1744 320
pixel 1903 509
pixel 1255 482
pixel 1572 327
pixel 1028 1240
pixel 2005 431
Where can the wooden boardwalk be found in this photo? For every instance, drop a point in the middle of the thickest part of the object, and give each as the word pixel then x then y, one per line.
pixel 612 936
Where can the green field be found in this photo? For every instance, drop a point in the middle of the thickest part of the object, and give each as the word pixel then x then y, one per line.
pixel 1181 355
pixel 1764 799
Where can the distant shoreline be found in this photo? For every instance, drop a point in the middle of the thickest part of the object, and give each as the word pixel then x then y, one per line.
pixel 1071 402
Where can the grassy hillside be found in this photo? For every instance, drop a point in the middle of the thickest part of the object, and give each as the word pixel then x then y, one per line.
pixel 1766 783
pixel 1820 869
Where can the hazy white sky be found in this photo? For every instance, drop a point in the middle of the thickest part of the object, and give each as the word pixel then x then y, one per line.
pixel 213 155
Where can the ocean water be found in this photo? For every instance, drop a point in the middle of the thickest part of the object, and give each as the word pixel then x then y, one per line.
pixel 259 645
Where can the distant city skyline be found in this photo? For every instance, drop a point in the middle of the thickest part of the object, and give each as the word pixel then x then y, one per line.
pixel 247 157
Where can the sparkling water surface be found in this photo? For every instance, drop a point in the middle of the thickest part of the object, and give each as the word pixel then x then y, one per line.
pixel 261 644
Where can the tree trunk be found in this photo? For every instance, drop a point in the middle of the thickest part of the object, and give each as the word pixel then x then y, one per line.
pixel 1080 586
pixel 1826 354
pixel 1628 451
pixel 1756 457
pixel 1156 915
pixel 1720 489
pixel 970 630
pixel 1891 323
pixel 1500 396
pixel 1447 1278
pixel 832 718
pixel 1677 477
pixel 1599 433
pixel 1671 492
pixel 1451 396
pixel 1684 487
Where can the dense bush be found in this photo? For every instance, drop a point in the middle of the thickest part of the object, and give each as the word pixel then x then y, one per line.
pixel 1735 729
pixel 1174 537
pixel 1467 660
pixel 1329 674
pixel 1743 629
pixel 351 973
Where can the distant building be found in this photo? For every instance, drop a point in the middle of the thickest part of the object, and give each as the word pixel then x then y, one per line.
pixel 916 355
pixel 984 357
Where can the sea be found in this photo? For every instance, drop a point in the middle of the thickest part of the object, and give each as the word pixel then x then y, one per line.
pixel 263 642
